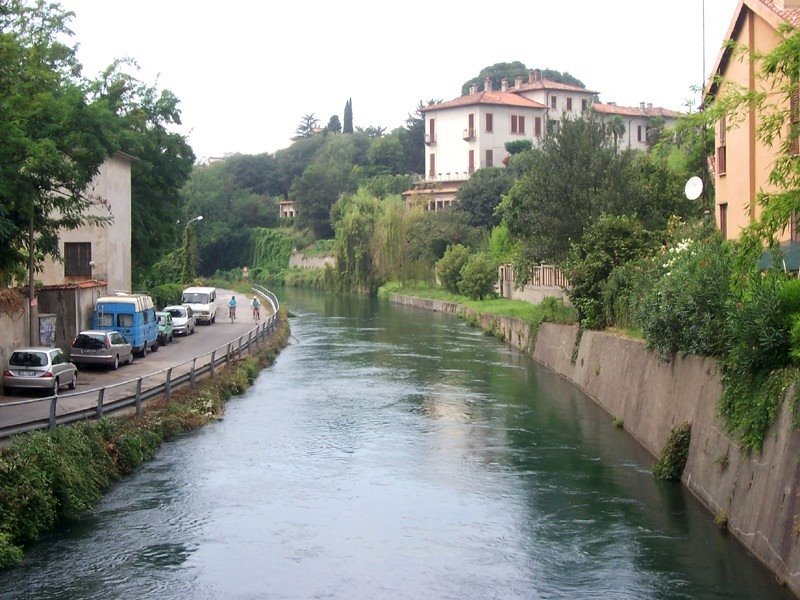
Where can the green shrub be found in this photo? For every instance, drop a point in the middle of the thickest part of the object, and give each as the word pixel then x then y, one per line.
pixel 478 277
pixel 449 266
pixel 608 243
pixel 685 311
pixel 166 294
pixel 305 278
pixel 673 458
pixel 624 291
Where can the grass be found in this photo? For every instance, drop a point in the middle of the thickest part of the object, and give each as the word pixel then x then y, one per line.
pixel 500 307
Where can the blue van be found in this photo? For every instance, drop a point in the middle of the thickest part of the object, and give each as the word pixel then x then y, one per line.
pixel 133 315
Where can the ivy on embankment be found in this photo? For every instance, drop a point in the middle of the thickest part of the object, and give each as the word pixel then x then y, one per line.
pixel 47 477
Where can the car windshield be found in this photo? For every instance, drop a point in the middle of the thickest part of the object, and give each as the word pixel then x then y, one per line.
pixel 162 319
pixel 28 359
pixel 177 312
pixel 91 341
pixel 195 298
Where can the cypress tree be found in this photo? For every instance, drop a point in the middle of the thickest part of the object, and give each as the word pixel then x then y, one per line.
pixel 348 117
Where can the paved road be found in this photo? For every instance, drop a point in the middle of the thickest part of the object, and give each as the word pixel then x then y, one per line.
pixel 205 339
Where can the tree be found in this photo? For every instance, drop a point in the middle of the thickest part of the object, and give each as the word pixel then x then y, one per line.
pixel 448 268
pixel 357 218
pixel 307 126
pixel 574 178
pixel 510 71
pixel 480 195
pixel 478 277
pixel 334 125
pixel 163 162
pixel 52 137
pixel 372 132
pixel 616 127
pixel 258 173
pixel 412 139
pixel 386 153
pixel 315 192
pixel 518 146
pixel 347 127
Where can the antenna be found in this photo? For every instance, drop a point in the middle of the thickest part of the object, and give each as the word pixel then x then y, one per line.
pixel 693 188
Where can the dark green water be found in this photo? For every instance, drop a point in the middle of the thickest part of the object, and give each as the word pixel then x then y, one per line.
pixel 395 453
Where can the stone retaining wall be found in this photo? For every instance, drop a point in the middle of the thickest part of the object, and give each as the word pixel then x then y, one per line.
pixel 758 495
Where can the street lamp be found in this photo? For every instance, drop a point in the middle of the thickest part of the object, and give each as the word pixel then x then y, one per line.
pixel 189 251
pixel 197 218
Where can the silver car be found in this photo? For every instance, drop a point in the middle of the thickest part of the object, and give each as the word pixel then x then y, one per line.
pixel 183 320
pixel 99 347
pixel 39 368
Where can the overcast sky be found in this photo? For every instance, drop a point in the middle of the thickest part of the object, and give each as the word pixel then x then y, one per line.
pixel 246 71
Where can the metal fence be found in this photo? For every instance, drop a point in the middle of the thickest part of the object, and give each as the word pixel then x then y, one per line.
pixel 549 276
pixel 40 413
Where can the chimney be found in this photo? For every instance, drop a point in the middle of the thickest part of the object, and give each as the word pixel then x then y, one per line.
pixel 517 82
pixel 504 85
pixel 641 105
pixel 613 103
pixel 783 4
pixel 487 84
pixel 534 75
pixel 649 105
pixel 473 89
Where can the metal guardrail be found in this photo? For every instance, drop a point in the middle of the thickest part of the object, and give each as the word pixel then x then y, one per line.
pixel 68 408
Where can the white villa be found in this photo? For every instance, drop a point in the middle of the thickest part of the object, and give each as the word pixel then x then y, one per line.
pixel 470 132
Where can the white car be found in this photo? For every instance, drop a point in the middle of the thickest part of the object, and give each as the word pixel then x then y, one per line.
pixel 183 322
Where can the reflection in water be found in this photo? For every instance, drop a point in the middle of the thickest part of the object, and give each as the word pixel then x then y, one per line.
pixel 393 453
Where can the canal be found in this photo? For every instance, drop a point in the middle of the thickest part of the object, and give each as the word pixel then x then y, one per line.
pixel 395 453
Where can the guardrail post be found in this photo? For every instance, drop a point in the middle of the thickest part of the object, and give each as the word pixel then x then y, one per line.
pixel 167 384
pixel 240 347
pixel 213 360
pixel 139 397
pixel 53 403
pixel 194 363
pixel 249 335
pixel 100 394
pixel 228 356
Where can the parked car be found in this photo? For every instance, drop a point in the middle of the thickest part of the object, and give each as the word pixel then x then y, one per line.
pixel 183 322
pixel 165 327
pixel 39 368
pixel 99 347
pixel 132 315
pixel 203 302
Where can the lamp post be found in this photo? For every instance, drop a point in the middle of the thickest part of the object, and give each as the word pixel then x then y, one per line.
pixel 189 251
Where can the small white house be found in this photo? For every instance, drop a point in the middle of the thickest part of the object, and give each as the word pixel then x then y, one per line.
pixel 636 121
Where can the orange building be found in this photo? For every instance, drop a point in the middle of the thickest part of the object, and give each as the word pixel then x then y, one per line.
pixel 742 163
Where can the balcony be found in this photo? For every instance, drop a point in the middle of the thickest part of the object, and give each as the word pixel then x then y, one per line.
pixel 430 139
pixel 469 135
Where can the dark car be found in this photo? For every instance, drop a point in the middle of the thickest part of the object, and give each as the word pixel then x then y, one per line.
pixel 100 347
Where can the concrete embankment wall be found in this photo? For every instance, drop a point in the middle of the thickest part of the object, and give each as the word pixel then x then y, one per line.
pixel 758 494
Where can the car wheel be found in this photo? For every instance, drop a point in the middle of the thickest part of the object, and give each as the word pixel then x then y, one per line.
pixel 115 366
pixel 74 381
pixel 171 338
pixel 144 350
pixel 154 348
pixel 213 319
pixel 7 391
pixel 130 359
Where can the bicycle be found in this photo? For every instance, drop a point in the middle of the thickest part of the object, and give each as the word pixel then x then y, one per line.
pixel 256 314
pixel 232 313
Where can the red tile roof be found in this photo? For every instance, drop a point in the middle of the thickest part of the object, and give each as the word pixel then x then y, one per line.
pixel 549 84
pixel 634 111
pixel 791 15
pixel 491 98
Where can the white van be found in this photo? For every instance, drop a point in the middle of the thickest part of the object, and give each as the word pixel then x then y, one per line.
pixel 203 301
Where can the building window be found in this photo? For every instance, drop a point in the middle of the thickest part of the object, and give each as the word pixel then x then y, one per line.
pixel 517 124
pixel 723 220
pixel 722 158
pixel 553 102
pixel 569 103
pixel 489 123
pixel 584 104
pixel 432 165
pixel 430 137
pixel 471 162
pixel 489 158
pixel 537 126
pixel 77 256
pixel 639 136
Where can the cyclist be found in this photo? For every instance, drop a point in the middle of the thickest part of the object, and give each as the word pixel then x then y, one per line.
pixel 255 304
pixel 232 308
